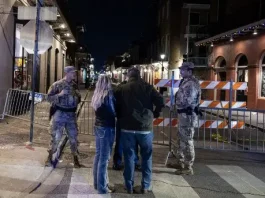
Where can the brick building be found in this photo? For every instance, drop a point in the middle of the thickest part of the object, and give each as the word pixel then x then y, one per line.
pixel 238 53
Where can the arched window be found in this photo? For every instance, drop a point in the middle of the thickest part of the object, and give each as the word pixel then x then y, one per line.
pixel 262 88
pixel 242 76
pixel 220 66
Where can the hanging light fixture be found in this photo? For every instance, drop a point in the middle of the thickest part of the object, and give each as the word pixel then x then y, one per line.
pixel 212 44
pixel 231 39
pixel 255 31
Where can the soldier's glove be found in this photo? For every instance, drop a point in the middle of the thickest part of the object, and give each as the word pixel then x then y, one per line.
pixel 198 111
pixel 156 114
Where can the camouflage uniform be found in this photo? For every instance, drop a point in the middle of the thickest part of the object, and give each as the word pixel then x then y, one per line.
pixel 62 119
pixel 187 99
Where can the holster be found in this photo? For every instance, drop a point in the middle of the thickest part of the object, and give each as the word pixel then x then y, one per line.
pixel 52 111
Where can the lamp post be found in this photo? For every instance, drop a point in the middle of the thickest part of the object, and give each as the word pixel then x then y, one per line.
pixel 162 56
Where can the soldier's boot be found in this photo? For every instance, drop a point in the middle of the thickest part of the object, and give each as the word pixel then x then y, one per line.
pixel 76 162
pixel 178 166
pixel 185 171
pixel 49 161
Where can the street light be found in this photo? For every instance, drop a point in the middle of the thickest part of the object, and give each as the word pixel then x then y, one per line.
pixel 162 56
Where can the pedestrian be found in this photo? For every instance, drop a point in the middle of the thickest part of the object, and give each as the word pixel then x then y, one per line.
pixel 187 100
pixel 64 97
pixel 117 157
pixel 135 101
pixel 103 103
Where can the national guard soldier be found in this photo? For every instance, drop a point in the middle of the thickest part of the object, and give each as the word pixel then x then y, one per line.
pixel 187 101
pixel 64 97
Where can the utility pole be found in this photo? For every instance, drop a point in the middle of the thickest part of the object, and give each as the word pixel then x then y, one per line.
pixel 188 35
pixel 34 69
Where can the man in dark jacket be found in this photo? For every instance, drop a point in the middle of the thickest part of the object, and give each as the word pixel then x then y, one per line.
pixel 135 101
pixel 117 157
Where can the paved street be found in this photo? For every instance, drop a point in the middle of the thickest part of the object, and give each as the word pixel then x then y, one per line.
pixel 217 174
pixel 22 173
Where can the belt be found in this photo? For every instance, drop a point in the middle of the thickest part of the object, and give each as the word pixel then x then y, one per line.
pixel 182 110
pixel 66 109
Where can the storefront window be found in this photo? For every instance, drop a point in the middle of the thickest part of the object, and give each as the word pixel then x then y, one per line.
pixel 21 75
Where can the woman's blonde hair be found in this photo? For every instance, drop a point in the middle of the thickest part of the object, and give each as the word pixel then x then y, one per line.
pixel 103 89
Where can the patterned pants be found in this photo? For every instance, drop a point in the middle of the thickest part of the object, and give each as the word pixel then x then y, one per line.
pixel 185 151
pixel 59 122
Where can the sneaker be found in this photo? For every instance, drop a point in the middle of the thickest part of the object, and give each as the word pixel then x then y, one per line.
pixel 110 187
pixel 186 171
pixel 108 190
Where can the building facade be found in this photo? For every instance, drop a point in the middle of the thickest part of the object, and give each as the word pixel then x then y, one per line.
pixel 239 55
pixel 236 50
pixel 179 25
pixel 16 64
pixel 7 53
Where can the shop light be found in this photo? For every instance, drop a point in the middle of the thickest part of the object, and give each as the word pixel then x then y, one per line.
pixel 255 32
pixel 231 39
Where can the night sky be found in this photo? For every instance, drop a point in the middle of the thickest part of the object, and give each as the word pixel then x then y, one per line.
pixel 111 24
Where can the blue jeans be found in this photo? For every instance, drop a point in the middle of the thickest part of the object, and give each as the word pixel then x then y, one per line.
pixel 117 157
pixel 104 142
pixel 129 141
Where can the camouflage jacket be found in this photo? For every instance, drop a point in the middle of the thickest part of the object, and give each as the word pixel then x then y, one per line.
pixel 69 100
pixel 189 94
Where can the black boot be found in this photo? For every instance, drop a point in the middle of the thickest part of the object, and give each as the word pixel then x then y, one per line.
pixel 49 161
pixel 76 162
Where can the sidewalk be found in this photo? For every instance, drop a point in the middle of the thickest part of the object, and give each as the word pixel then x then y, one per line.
pixel 21 167
pixel 217 174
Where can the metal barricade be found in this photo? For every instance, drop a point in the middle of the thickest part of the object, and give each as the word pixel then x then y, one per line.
pixel 18 105
pixel 161 127
pixel 225 125
pixel 247 131
pixel 86 118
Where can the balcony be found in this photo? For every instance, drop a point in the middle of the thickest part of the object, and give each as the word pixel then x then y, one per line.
pixel 199 61
pixel 195 31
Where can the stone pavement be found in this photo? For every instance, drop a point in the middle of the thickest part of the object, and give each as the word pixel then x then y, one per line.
pixel 22 167
pixel 218 174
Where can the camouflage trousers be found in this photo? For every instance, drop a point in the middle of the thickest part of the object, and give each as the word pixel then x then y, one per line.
pixel 185 150
pixel 60 121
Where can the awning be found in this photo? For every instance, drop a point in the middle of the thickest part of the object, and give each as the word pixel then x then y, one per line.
pixel 250 29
